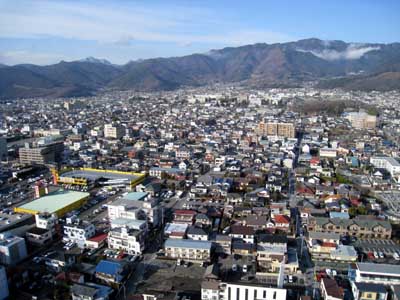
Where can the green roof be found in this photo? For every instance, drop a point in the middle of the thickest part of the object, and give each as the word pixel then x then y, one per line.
pixel 55 201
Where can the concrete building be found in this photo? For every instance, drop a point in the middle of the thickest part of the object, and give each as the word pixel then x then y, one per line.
pixel 46 221
pixel 276 129
pixel 248 291
pixel 188 249
pixel 130 240
pixel 362 120
pixel 114 131
pixel 388 163
pixel 79 233
pixel 12 249
pixel 46 150
pixel 377 273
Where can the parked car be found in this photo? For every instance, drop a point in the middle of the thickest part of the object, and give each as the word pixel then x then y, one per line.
pixel 244 268
pixel 234 267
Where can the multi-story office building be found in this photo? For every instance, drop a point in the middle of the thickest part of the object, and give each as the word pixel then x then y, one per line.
pixel 114 131
pixel 46 150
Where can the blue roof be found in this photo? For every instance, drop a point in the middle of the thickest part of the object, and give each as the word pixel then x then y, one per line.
pixel 191 244
pixel 109 267
pixel 341 215
pixel 135 196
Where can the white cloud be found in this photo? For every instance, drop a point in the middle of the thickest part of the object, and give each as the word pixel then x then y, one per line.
pixel 120 25
pixel 22 56
pixel 353 51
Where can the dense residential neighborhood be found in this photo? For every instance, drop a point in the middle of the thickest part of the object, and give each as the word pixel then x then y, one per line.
pixel 218 192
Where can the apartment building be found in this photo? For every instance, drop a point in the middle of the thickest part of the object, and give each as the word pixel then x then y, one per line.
pixel 276 129
pixel 128 235
pixel 358 227
pixel 114 131
pixel 375 273
pixel 188 249
pixel 362 120
pixel 79 233
pixel 128 239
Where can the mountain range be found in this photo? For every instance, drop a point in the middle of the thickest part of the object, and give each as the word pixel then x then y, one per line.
pixel 331 64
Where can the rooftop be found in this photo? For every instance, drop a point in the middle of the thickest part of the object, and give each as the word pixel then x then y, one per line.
pixel 379 268
pixel 96 174
pixel 55 201
pixel 190 244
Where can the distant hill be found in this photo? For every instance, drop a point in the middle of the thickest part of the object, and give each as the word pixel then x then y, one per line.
pixel 386 81
pixel 335 64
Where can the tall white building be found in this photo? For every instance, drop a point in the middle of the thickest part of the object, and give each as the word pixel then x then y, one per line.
pixel 114 131
pixel 388 163
pixel 12 249
pixel 128 237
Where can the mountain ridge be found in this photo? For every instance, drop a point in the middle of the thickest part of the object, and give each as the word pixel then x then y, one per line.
pixel 258 65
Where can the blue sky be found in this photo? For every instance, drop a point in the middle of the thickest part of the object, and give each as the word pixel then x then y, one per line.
pixel 45 32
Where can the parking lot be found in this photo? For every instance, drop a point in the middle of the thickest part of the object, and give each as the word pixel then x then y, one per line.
pixel 383 251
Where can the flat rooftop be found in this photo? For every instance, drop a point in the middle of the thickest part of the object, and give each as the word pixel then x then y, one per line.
pixel 94 175
pixel 379 268
pixel 55 201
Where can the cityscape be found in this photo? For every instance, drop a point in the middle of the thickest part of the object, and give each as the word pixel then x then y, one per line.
pixel 254 172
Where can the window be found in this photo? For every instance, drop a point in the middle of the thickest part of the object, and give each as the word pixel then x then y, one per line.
pixel 229 293
pixel 264 294
pixel 246 294
pixel 255 294
pixel 274 295
pixel 237 293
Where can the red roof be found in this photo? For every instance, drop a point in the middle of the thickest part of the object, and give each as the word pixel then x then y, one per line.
pixel 282 219
pixel 327 244
pixel 98 238
pixel 184 212
pixel 314 160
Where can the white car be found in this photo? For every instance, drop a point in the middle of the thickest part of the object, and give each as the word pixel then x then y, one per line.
pixel 244 268
pixel 290 279
pixel 381 255
pixel 396 256
pixel 234 267
pixel 376 254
